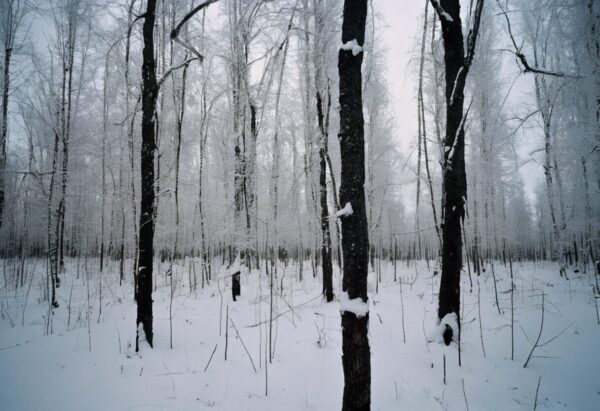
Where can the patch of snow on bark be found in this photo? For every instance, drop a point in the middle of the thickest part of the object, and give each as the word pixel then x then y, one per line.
pixel 352 45
pixel 345 212
pixel 354 305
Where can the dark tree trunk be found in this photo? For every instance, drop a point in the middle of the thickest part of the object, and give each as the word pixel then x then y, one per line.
pixel 454 177
pixel 4 120
pixel 146 237
pixel 235 285
pixel 356 356
pixel 325 231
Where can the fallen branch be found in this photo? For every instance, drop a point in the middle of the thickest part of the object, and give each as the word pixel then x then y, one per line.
pixel 537 390
pixel 535 345
pixel 243 345
pixel 211 356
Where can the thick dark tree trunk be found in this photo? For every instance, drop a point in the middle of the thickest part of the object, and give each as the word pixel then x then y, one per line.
pixel 356 356
pixel 454 178
pixel 146 236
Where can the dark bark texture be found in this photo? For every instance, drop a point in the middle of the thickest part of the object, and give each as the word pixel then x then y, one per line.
pixel 356 356
pixel 325 230
pixel 235 285
pixel 4 120
pixel 454 178
pixel 146 237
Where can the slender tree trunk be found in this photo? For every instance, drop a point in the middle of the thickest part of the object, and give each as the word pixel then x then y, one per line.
pixel 544 109
pixel 421 113
pixel 240 108
pixel 146 228
pixel 275 166
pixel 104 136
pixel 179 102
pixel 356 358
pixel 325 231
pixel 588 205
pixel 52 250
pixel 4 121
pixel 67 104
pixel 336 203
pixel 322 106
pixel 130 136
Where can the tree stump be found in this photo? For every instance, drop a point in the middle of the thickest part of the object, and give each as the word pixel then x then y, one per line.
pixel 235 285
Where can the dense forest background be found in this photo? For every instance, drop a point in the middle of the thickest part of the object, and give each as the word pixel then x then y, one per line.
pixel 157 155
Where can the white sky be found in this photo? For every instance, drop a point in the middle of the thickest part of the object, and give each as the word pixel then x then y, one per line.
pixel 401 19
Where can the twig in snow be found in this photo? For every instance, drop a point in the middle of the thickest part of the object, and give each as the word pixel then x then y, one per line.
pixel 538 337
pixel 211 356
pixel 537 390
pixel 595 303
pixel 495 289
pixel 465 394
pixel 14 345
pixel 480 325
pixel 243 345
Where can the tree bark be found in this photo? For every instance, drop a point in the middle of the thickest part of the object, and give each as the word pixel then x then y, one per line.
pixel 319 60
pixel 454 177
pixel 356 356
pixel 325 231
pixel 146 228
pixel 5 90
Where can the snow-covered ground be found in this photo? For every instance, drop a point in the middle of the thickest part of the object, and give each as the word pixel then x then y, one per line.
pixel 88 361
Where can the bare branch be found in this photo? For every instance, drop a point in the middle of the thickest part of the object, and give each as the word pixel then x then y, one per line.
pixel 527 68
pixel 175 31
pixel 177 67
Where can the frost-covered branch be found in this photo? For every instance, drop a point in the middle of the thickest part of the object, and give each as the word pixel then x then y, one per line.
pixel 527 68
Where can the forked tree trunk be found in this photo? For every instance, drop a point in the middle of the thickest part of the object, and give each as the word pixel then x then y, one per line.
pixel 356 358
pixel 454 177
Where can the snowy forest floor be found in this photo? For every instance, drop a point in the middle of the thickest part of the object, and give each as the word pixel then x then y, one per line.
pixel 85 359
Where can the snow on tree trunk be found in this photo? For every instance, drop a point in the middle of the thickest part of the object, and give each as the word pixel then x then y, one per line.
pixel 356 356
pixel 454 177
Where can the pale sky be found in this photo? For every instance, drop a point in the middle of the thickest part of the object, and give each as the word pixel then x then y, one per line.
pixel 401 19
